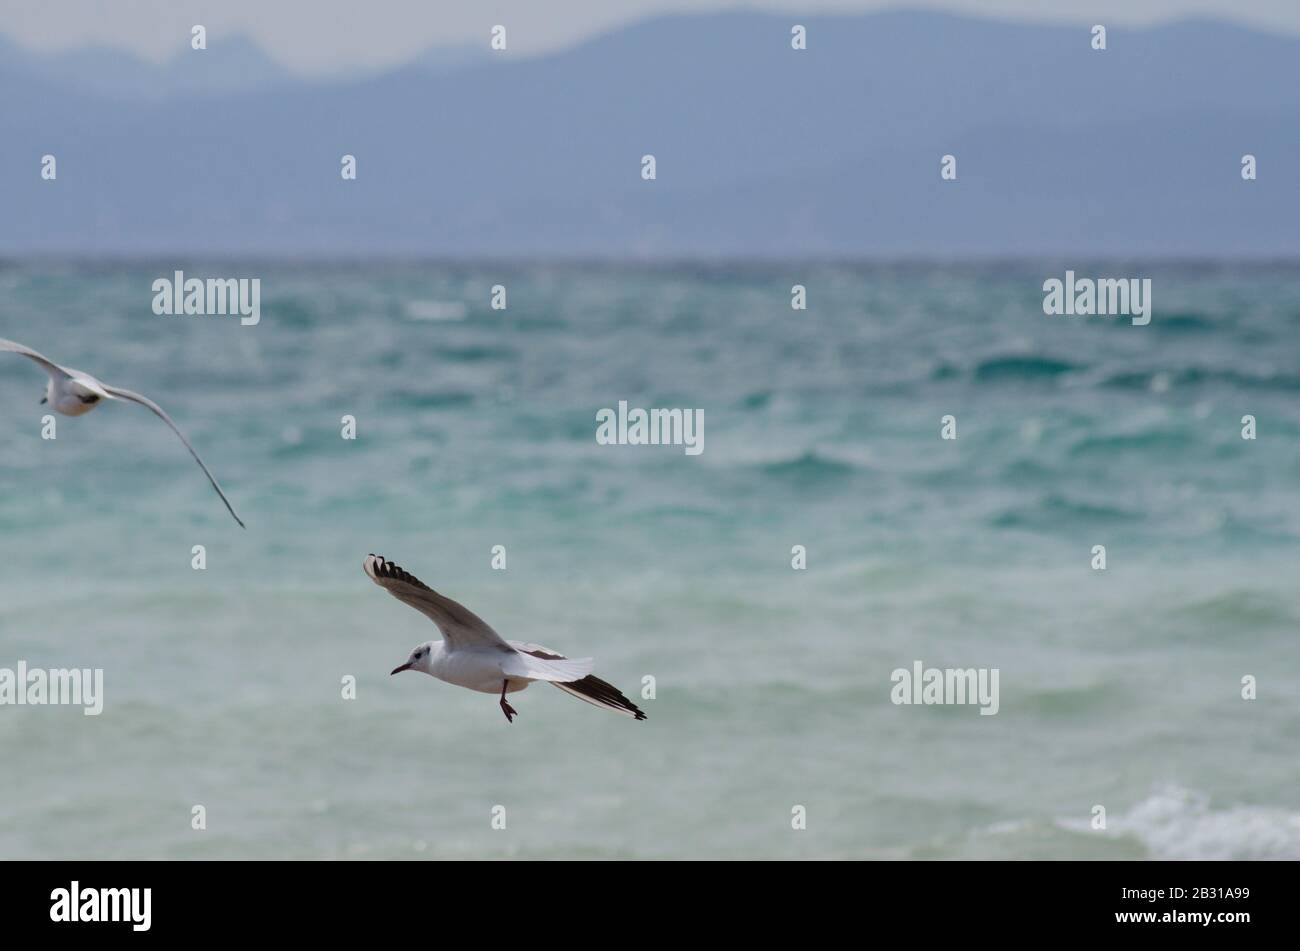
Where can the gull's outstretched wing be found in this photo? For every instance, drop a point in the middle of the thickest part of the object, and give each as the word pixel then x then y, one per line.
pixel 461 627
pixel 592 689
pixel 120 394
pixel 49 365
pixel 535 662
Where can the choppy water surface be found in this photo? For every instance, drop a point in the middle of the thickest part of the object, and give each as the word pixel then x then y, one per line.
pixel 476 428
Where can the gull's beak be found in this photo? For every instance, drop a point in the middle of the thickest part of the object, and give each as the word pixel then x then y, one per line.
pixel 398 670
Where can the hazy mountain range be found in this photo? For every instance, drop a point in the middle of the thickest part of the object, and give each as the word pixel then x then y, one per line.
pixel 228 65
pixel 760 149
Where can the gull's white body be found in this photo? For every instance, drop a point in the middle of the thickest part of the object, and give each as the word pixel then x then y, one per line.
pixel 480 670
pixel 75 393
pixel 473 656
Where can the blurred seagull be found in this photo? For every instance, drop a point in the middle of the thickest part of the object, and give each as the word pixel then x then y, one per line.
pixel 74 393
pixel 473 655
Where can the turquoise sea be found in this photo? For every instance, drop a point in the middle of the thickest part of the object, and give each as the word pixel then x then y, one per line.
pixel 476 428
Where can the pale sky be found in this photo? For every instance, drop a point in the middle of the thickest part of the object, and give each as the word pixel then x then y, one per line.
pixel 313 36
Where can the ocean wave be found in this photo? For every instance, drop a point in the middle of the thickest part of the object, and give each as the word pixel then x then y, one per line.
pixel 1178 823
pixel 476 354
pixel 1183 322
pixel 1006 368
pixel 1200 376
pixel 436 310
pixel 1021 471
pixel 1022 367
pixel 1053 511
pixel 809 467
pixel 1070 701
pixel 448 399
pixel 1151 440
pixel 289 311
pixel 1245 608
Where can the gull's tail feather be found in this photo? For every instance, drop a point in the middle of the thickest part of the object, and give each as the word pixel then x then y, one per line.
pixel 601 694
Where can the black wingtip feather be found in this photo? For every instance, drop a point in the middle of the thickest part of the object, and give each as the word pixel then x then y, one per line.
pixel 395 572
pixel 597 689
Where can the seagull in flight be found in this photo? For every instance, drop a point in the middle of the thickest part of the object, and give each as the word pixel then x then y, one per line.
pixel 473 655
pixel 74 393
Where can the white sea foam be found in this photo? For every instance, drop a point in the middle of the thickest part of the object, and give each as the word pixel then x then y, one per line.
pixel 1178 823
pixel 436 310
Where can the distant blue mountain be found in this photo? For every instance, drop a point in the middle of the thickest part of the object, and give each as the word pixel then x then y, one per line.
pixel 229 65
pixel 761 149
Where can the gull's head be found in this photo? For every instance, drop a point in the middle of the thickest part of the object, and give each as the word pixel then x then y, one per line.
pixel 421 659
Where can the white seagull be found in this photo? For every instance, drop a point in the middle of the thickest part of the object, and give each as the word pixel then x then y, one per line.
pixel 473 655
pixel 74 393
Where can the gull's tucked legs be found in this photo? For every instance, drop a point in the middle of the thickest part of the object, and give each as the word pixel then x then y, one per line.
pixel 508 710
